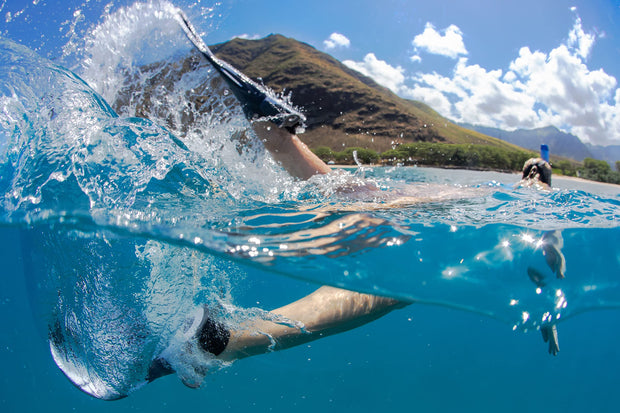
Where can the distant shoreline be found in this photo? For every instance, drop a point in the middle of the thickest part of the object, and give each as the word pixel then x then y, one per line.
pixel 562 177
pixel 586 181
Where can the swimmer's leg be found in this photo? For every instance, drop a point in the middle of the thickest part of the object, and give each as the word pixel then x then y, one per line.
pixel 552 250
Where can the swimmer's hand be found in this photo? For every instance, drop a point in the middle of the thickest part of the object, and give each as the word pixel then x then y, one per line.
pixel 552 250
pixel 256 100
pixel 536 277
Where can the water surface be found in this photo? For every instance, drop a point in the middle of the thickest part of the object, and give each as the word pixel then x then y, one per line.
pixel 124 208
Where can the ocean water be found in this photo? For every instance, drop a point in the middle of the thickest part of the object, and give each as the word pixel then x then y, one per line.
pixel 133 192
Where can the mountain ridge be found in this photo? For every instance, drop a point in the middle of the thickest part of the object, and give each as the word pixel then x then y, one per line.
pixel 344 108
pixel 560 143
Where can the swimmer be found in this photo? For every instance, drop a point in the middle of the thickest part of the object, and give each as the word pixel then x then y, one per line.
pixel 537 174
pixel 326 311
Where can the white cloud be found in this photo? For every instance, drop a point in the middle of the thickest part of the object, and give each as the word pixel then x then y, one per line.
pixel 441 83
pixel 416 59
pixel 579 40
pixel 336 40
pixel 538 89
pixel 432 97
pixel 386 75
pixel 510 77
pixel 475 95
pixel 573 96
pixel 449 44
pixel 489 100
pixel 248 36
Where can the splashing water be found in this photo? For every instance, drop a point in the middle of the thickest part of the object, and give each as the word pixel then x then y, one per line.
pixel 141 193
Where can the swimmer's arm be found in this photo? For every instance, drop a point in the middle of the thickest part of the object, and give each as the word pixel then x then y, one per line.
pixel 289 151
pixel 326 311
pixel 299 161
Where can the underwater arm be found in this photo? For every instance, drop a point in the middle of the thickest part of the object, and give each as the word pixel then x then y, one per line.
pixel 326 311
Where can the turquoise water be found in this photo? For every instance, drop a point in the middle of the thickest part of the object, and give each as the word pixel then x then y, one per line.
pixel 120 215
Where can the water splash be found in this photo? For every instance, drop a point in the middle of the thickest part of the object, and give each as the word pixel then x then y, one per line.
pixel 77 162
pixel 136 211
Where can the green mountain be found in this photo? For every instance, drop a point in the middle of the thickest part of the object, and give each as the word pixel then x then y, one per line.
pixel 344 108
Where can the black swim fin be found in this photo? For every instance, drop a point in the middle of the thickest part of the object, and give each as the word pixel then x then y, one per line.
pixel 550 335
pixel 256 100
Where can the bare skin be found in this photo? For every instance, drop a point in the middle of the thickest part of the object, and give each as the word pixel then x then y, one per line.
pixel 326 311
pixel 289 151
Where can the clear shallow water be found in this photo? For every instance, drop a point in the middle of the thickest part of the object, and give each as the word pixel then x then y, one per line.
pixel 126 224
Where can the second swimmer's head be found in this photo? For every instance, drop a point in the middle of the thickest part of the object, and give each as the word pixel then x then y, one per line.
pixel 537 169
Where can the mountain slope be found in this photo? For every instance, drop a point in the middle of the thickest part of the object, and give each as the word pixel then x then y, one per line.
pixel 344 108
pixel 560 143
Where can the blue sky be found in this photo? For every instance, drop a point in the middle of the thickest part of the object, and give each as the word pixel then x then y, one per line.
pixel 506 64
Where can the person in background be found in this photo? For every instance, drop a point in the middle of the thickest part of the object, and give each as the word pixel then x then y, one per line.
pixel 537 174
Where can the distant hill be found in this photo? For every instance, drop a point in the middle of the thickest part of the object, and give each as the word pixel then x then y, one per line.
pixel 344 108
pixel 560 143
pixel 610 154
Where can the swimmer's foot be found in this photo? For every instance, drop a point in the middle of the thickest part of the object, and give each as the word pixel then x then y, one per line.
pixel 198 342
pixel 550 335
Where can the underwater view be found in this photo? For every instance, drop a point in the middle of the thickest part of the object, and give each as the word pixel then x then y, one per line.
pixel 138 197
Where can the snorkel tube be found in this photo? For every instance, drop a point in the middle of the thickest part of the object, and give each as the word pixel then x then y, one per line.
pixel 544 152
